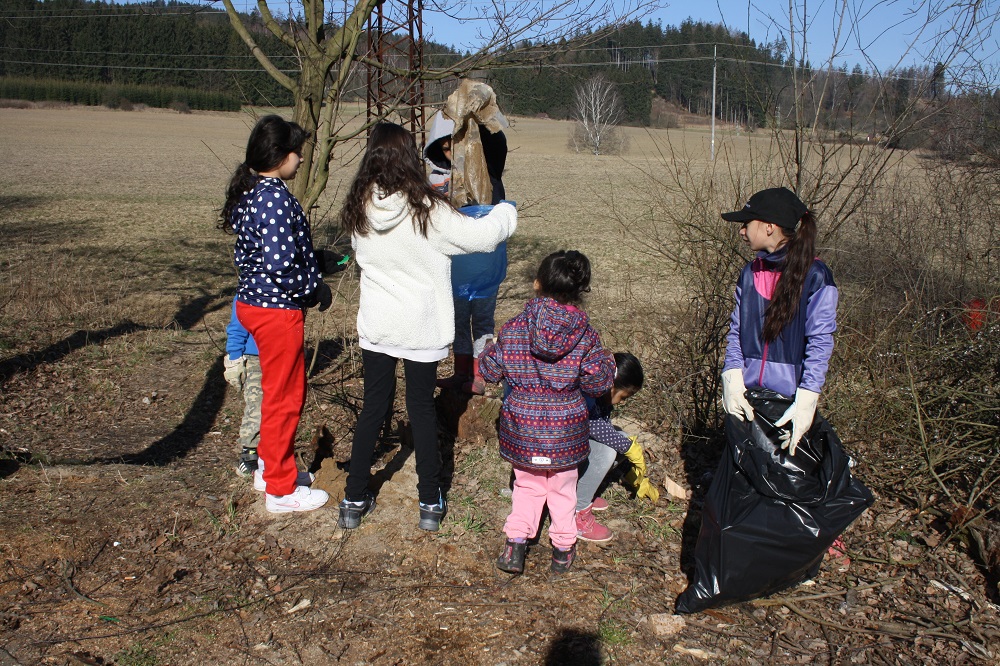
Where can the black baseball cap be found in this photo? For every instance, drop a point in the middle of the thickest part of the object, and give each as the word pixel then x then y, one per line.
pixel 777 205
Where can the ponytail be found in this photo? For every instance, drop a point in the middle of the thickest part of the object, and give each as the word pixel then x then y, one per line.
pixel 242 182
pixel 271 140
pixel 788 292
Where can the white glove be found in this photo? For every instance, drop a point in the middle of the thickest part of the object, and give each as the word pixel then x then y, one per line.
pixel 733 400
pixel 800 413
pixel 236 370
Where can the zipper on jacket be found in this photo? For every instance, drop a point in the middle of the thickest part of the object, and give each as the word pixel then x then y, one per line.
pixel 763 362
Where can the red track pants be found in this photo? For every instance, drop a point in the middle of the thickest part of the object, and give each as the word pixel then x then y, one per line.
pixel 280 337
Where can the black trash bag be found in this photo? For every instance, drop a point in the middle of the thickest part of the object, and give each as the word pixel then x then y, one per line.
pixel 769 517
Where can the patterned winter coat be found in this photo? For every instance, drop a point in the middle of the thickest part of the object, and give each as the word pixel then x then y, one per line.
pixel 550 357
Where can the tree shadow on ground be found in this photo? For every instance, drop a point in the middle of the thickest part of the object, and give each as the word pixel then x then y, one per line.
pixel 58 350
pixel 205 407
pixel 572 647
pixel 190 432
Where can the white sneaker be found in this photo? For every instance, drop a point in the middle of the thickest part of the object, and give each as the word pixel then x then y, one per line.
pixel 304 479
pixel 303 499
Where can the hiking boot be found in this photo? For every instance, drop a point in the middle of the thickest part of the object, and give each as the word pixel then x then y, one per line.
pixel 431 515
pixel 511 557
pixel 588 529
pixel 599 504
pixel 303 498
pixel 304 479
pixel 562 560
pixel 351 513
pixel 247 463
pixel 462 374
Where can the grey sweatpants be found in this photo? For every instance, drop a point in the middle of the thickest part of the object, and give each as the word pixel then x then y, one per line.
pixel 592 473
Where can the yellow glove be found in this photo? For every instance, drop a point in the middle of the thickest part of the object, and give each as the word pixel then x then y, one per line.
pixel 636 476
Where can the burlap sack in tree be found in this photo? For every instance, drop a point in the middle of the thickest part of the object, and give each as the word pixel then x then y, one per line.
pixel 472 104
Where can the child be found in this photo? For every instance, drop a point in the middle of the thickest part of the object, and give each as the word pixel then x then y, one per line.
pixel 606 442
pixel 278 278
pixel 404 233
pixel 550 358
pixel 242 371
pixel 474 318
pixel 438 152
pixel 781 330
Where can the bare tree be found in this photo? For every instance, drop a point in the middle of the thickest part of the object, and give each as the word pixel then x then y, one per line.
pixel 327 43
pixel 598 113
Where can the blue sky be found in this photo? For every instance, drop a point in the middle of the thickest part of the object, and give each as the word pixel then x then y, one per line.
pixel 878 34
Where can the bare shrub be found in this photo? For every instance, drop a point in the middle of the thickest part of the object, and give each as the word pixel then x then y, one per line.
pixel 16 104
pixel 180 106
pixel 597 113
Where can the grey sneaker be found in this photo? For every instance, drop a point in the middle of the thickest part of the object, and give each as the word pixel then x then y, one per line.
pixel 247 463
pixel 351 513
pixel 431 515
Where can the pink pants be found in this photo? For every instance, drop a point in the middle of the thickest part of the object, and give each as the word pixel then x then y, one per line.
pixel 533 489
pixel 279 334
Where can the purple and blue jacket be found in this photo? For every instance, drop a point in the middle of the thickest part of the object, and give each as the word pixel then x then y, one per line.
pixel 800 355
pixel 550 357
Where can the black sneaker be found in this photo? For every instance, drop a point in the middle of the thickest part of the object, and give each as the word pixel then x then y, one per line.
pixel 511 557
pixel 431 515
pixel 351 513
pixel 247 463
pixel 562 560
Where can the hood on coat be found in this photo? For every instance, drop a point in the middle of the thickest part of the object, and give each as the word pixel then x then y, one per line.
pixel 385 211
pixel 439 128
pixel 554 329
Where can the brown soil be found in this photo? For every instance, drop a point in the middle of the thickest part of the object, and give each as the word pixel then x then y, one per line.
pixel 127 538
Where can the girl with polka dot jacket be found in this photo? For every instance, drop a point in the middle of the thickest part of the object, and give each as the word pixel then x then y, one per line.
pixel 279 277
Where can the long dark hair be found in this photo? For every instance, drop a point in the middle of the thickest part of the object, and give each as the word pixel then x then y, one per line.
pixel 564 276
pixel 271 140
pixel 788 292
pixel 392 164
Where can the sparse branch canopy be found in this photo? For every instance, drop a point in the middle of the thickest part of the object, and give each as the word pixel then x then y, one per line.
pixel 329 55
pixel 598 112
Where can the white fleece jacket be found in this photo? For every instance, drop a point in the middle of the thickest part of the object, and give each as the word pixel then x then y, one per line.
pixel 406 298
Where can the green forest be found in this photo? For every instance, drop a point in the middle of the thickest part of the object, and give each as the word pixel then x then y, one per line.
pixel 187 56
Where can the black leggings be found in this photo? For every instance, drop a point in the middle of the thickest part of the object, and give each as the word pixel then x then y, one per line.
pixel 380 385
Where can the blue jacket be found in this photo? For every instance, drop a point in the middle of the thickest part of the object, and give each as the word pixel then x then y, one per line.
pixel 274 250
pixel 800 355
pixel 238 339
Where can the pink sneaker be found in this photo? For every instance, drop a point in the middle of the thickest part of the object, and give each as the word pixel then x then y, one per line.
pixel 599 504
pixel 588 529
pixel 838 554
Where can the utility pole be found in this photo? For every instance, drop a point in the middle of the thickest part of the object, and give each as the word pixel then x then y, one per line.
pixel 715 64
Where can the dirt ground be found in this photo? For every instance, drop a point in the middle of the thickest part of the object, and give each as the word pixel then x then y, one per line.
pixel 127 538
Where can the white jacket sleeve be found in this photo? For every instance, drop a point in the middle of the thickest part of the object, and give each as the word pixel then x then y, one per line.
pixel 453 233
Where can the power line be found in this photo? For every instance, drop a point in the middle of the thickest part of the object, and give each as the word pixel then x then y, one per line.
pixel 86 14
pixel 222 70
pixel 137 54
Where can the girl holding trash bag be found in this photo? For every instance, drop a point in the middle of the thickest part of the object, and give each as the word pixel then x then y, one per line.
pixel 404 234
pixel 781 330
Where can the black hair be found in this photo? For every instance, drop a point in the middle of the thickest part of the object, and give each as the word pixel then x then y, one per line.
pixel 628 372
pixel 564 276
pixel 788 292
pixel 392 163
pixel 271 140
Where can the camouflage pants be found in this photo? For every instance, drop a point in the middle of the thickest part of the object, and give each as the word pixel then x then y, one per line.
pixel 253 395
